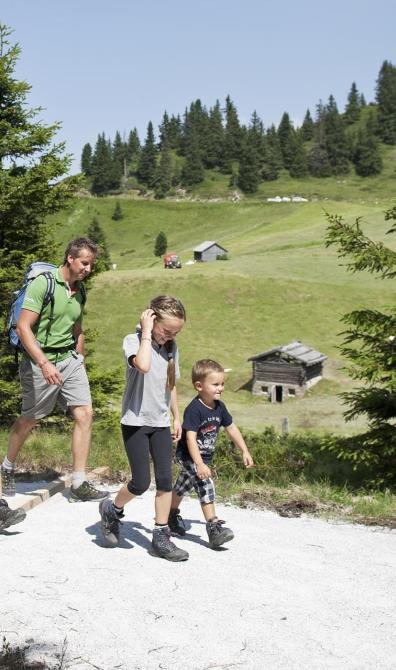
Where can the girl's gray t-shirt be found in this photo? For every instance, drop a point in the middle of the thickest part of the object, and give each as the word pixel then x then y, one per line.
pixel 147 397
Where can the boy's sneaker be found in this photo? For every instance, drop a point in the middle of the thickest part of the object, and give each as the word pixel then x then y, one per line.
pixel 110 523
pixel 86 492
pixel 8 481
pixel 218 535
pixel 9 517
pixel 163 546
pixel 176 523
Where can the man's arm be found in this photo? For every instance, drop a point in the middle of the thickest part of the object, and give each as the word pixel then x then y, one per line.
pixel 26 322
pixel 79 338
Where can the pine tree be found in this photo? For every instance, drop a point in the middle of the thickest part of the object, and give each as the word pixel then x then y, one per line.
pixel 215 139
pixel 193 170
pixel 102 167
pixel 353 106
pixel 272 155
pixel 86 160
pixel 233 136
pixel 307 128
pixel 163 179
pixel 96 234
pixel 335 139
pixel 117 214
pixel 299 165
pixel 386 99
pixel 366 157
pixel 146 171
pixel 369 346
pixel 286 134
pixel 32 186
pixel 161 244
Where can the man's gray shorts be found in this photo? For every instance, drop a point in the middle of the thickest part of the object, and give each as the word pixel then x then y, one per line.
pixel 39 398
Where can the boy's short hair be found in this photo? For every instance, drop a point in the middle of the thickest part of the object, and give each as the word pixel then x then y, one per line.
pixel 203 368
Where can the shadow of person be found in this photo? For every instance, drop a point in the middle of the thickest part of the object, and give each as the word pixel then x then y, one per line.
pixel 130 535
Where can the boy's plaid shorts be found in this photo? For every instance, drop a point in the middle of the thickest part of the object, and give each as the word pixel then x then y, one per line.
pixel 189 480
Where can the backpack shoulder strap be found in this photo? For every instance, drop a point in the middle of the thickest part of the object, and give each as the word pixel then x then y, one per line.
pixel 49 297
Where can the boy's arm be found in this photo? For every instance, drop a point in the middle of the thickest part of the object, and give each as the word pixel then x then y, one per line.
pixel 234 434
pixel 174 407
pixel 203 471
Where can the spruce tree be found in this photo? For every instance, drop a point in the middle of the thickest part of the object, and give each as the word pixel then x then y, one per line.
pixel 386 99
pixel 335 139
pixel 86 160
pixel 163 179
pixel 369 346
pixel 233 136
pixel 318 158
pixel 366 157
pixel 193 170
pixel 102 167
pixel 286 134
pixel 299 164
pixel 215 139
pixel 117 214
pixel 272 156
pixel 146 171
pixel 32 186
pixel 119 156
pixel 249 168
pixel 133 147
pixel 353 106
pixel 307 128
pixel 161 244
pixel 96 234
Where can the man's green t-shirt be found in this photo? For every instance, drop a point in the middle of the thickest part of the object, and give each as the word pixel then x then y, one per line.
pixel 67 312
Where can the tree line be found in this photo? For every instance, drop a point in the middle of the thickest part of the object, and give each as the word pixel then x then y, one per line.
pixel 330 143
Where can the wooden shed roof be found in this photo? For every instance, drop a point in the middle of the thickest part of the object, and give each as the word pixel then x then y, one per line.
pixel 206 245
pixel 295 350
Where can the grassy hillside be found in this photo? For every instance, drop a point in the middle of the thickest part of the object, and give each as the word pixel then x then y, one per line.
pixel 279 284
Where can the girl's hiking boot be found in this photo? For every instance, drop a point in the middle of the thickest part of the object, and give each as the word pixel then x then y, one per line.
pixel 163 546
pixel 9 517
pixel 8 481
pixel 218 535
pixel 86 492
pixel 176 523
pixel 110 522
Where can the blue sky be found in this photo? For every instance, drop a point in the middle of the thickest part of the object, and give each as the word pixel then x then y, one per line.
pixel 100 66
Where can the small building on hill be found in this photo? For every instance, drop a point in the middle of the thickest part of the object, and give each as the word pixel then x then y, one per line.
pixel 208 251
pixel 286 371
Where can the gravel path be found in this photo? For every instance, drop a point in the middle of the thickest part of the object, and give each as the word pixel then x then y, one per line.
pixel 285 594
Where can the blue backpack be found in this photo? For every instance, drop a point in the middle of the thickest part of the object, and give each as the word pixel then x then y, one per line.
pixel 33 271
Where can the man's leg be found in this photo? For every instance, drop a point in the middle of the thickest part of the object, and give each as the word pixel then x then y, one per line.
pixel 81 489
pixel 18 434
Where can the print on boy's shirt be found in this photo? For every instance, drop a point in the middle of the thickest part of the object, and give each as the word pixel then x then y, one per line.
pixel 206 423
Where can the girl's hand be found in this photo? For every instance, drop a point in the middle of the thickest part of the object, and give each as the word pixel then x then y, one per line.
pixel 247 459
pixel 147 322
pixel 177 430
pixel 203 471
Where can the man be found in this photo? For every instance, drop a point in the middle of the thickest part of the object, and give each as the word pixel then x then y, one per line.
pixel 52 368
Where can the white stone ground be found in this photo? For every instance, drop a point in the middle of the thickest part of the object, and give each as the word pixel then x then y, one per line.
pixel 286 594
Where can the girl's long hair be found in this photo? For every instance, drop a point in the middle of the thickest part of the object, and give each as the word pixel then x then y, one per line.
pixel 168 307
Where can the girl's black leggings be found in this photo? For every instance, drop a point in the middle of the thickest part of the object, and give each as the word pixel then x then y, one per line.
pixel 141 442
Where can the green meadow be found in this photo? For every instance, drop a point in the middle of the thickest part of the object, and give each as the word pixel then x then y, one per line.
pixel 279 284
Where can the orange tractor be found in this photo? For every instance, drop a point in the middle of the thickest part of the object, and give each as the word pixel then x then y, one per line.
pixel 172 261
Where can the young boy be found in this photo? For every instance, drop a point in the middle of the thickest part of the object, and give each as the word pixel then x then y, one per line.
pixel 203 418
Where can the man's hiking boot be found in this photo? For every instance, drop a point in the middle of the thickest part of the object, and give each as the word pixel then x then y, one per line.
pixel 86 492
pixel 110 522
pixel 218 535
pixel 163 546
pixel 8 481
pixel 176 523
pixel 9 517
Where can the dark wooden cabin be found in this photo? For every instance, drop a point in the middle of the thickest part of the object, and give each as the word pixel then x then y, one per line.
pixel 286 371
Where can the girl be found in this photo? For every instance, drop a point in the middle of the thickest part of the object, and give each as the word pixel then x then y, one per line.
pixel 152 368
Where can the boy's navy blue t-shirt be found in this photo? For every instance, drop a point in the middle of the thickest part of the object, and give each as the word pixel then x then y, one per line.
pixel 206 422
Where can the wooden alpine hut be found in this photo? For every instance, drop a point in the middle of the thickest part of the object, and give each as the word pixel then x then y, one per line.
pixel 208 251
pixel 286 371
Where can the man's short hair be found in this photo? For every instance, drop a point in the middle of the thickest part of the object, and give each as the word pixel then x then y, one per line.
pixel 203 368
pixel 75 247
